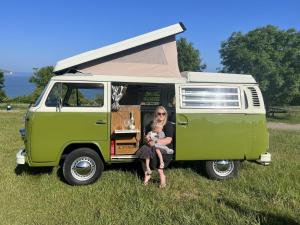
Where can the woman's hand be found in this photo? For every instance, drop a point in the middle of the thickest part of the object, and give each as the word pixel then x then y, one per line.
pixel 164 141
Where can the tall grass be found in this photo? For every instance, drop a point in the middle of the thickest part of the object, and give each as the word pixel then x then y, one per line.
pixel 259 195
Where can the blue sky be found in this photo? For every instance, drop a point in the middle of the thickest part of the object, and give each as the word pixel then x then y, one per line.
pixel 39 33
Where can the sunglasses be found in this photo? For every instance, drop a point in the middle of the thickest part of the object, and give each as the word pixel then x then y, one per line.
pixel 161 114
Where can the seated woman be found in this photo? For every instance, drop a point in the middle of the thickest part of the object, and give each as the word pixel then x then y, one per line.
pixel 149 149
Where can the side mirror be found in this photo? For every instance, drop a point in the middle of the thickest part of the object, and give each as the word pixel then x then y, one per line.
pixel 58 105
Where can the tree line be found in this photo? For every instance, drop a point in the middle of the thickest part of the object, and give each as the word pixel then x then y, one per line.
pixel 270 54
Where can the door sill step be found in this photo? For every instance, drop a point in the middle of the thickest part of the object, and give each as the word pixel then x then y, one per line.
pixel 118 157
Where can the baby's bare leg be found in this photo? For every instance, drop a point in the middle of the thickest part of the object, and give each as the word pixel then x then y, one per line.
pixel 161 160
pixel 147 164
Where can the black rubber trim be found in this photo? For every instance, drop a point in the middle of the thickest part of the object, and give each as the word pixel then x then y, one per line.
pixel 182 25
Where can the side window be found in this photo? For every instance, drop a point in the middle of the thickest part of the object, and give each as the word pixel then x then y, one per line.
pixel 210 97
pixel 84 95
pixel 76 95
pixel 58 91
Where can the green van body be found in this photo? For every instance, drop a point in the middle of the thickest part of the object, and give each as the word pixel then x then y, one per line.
pixel 199 136
pixel 221 136
pixel 208 137
pixel 50 133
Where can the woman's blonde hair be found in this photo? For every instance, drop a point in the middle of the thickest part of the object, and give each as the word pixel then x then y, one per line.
pixel 165 111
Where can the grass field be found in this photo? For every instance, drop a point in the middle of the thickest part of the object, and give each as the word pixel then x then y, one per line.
pixel 260 195
pixel 18 106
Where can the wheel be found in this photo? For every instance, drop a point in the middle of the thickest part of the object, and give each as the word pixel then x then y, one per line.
pixel 82 166
pixel 221 169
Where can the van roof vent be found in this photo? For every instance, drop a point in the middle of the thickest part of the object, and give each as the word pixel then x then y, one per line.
pixel 255 99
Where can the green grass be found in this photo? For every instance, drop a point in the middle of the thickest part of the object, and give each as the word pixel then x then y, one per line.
pixel 259 195
pixel 15 106
pixel 285 118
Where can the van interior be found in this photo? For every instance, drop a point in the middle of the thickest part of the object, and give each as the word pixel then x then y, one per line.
pixel 130 121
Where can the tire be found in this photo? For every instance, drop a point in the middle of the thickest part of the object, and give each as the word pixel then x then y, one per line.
pixel 221 169
pixel 82 166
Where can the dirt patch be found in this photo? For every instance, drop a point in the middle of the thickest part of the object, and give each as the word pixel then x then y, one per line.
pixel 283 126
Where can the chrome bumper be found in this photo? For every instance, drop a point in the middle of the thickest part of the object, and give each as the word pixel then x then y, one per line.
pixel 21 157
pixel 265 159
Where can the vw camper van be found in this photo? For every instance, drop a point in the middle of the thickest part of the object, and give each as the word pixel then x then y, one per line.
pixel 95 111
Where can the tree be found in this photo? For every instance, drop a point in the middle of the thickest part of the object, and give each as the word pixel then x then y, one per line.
pixel 272 56
pixel 1 80
pixel 41 78
pixel 188 56
pixel 2 93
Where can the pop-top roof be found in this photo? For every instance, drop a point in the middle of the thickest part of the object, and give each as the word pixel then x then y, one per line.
pixel 141 40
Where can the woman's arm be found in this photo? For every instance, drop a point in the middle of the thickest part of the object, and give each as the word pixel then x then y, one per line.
pixel 169 132
pixel 164 141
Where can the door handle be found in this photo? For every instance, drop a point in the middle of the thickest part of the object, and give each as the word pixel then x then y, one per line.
pixel 183 123
pixel 100 122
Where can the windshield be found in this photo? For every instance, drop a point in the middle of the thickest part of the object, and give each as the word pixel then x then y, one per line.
pixel 37 102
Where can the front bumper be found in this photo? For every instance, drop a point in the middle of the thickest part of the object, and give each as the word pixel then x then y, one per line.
pixel 265 159
pixel 21 157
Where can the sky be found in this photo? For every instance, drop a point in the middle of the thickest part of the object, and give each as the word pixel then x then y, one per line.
pixel 37 33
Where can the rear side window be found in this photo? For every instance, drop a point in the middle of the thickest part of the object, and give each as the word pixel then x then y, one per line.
pixel 76 95
pixel 210 97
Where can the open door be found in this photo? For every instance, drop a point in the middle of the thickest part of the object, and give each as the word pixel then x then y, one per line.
pixel 140 100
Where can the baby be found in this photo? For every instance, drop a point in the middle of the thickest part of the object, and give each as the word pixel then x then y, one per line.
pixel 154 135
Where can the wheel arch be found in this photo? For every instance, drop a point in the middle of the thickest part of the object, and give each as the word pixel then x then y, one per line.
pixel 68 148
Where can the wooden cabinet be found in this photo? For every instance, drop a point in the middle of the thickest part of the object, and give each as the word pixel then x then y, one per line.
pixel 126 143
pixel 126 140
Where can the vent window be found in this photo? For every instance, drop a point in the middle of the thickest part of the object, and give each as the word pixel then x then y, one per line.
pixel 210 97
pixel 255 99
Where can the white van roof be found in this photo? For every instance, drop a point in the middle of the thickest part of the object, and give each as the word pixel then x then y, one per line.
pixel 204 77
pixel 108 78
pixel 186 77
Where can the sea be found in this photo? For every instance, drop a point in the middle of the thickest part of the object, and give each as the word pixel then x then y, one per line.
pixel 17 84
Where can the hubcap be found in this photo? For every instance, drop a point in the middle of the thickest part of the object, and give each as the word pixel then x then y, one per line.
pixel 83 168
pixel 223 167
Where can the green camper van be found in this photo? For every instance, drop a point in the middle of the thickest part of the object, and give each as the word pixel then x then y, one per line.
pixel 95 111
